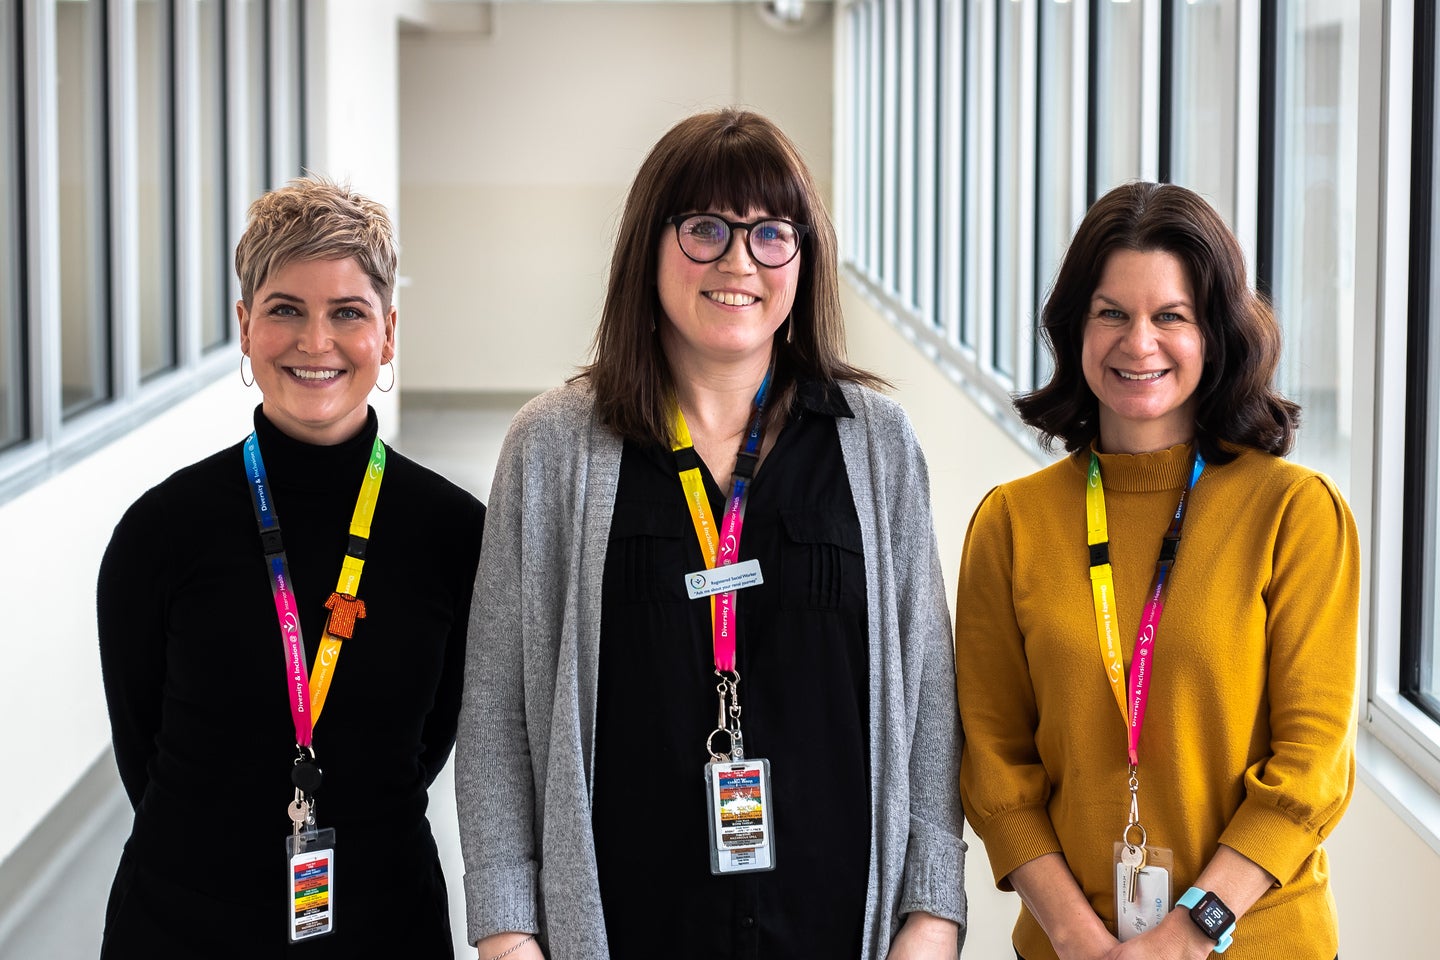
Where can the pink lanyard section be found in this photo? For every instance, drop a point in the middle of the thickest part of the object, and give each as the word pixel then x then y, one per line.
pixel 1103 588
pixel 727 551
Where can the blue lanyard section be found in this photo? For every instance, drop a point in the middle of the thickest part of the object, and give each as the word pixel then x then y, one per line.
pixel 260 496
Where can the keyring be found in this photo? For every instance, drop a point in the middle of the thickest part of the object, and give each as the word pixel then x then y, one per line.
pixel 709 745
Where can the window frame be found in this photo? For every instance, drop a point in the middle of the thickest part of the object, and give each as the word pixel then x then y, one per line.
pixel 52 441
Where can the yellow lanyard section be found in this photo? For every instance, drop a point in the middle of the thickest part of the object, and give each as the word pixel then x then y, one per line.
pixel 1102 586
pixel 696 498
pixel 345 608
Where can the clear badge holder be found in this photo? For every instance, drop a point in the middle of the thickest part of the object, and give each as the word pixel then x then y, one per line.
pixel 742 838
pixel 310 880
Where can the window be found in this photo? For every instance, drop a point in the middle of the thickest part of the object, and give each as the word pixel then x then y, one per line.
pixel 1314 215
pixel 1204 153
pixel 215 312
pixel 82 91
pixel 287 90
pixel 1420 626
pixel 1060 149
pixel 1015 184
pixel 12 263
pixel 118 139
pixel 154 65
pixel 255 169
pixel 1121 81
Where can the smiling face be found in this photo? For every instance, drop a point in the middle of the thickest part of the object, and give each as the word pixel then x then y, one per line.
pixel 317 333
pixel 1143 352
pixel 727 310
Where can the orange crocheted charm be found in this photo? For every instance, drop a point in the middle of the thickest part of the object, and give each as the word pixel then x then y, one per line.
pixel 344 611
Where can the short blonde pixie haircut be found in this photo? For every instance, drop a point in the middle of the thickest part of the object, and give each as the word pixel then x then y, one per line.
pixel 311 218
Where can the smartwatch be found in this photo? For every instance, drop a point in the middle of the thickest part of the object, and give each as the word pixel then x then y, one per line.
pixel 1210 914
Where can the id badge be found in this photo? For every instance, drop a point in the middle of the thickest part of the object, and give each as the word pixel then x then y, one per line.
pixel 734 576
pixel 310 879
pixel 742 838
pixel 1133 916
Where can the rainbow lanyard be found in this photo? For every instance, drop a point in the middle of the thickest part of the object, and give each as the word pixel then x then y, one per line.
pixel 687 461
pixel 1102 586
pixel 308 691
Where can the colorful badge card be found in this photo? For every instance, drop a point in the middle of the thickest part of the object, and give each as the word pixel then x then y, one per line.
pixel 741 835
pixel 311 882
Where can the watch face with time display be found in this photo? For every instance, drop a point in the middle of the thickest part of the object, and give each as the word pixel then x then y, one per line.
pixel 1212 916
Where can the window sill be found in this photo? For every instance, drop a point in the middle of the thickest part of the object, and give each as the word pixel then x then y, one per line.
pixel 1412 798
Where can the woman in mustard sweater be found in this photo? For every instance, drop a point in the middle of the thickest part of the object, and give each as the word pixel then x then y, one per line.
pixel 1159 732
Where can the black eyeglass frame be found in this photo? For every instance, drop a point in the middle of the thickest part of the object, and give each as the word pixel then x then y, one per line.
pixel 801 232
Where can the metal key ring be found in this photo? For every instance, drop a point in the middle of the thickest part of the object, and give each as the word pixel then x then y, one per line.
pixel 1125 837
pixel 710 741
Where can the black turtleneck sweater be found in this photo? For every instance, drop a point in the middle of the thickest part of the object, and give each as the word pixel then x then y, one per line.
pixel 195 678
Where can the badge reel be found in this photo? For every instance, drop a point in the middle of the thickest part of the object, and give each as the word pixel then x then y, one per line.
pixel 310 859
pixel 737 793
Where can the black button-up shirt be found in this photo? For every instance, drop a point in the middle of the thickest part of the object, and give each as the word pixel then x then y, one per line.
pixel 802 650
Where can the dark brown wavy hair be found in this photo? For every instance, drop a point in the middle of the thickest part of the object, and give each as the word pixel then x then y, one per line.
pixel 1236 401
pixel 726 159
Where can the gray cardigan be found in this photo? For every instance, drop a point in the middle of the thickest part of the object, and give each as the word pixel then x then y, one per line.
pixel 525 747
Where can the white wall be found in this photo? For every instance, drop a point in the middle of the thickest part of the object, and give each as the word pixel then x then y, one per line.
pixel 52 708
pixel 519 141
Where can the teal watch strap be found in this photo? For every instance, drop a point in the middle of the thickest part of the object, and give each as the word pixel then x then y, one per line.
pixel 1192 898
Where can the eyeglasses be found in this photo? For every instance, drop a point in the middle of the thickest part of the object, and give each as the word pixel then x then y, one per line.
pixel 705 238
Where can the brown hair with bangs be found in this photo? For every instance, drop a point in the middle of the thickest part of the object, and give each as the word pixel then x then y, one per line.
pixel 726 159
pixel 311 218
pixel 1236 402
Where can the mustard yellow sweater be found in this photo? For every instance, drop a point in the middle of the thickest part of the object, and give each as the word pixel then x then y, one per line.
pixel 1249 734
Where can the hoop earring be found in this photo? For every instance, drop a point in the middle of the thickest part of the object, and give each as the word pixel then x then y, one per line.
pixel 387 363
pixel 251 381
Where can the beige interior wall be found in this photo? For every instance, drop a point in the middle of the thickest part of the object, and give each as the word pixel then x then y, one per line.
pixel 519 142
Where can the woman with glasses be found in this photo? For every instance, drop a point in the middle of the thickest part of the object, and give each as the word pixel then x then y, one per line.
pixel 709 706
pixel 282 634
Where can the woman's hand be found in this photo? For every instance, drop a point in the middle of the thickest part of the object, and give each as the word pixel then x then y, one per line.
pixel 1174 938
pixel 924 936
pixel 511 946
pixel 1054 898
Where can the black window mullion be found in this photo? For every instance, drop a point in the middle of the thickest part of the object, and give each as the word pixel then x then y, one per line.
pixel 1417 555
pixel 1167 90
pixel 1269 148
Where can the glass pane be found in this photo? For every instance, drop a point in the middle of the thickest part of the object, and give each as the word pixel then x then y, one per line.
pixel 940 200
pixel 1060 131
pixel 911 61
pixel 286 92
pixel 154 135
pixel 1204 113
pixel 1120 71
pixel 1010 302
pixel 1314 286
pixel 971 162
pixel 84 275
pixel 214 290
pixel 257 119
pixel 1427 525
pixel 12 264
